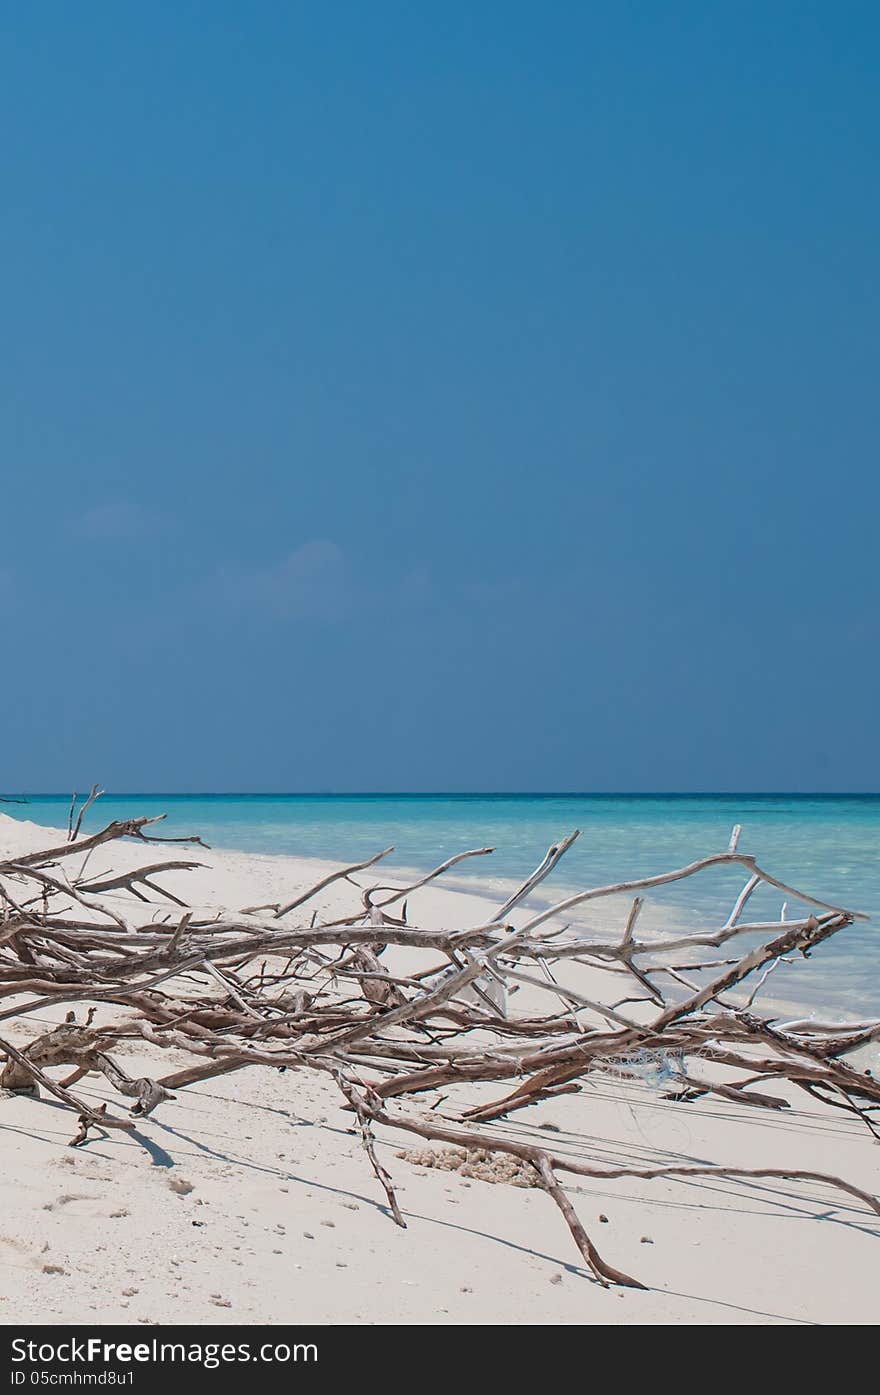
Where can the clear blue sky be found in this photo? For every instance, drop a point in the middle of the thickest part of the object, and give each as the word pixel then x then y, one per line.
pixel 456 396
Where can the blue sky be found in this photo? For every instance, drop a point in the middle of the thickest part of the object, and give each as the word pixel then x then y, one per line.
pixel 439 397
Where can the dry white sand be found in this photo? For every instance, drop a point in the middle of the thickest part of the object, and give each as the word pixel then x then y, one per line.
pixel 247 1199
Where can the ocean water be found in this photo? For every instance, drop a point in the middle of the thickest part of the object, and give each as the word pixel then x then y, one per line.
pixel 828 846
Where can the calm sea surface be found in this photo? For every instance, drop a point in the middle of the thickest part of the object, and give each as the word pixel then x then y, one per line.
pixel 826 845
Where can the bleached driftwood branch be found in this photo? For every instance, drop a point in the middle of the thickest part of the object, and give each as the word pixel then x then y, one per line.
pixel 237 989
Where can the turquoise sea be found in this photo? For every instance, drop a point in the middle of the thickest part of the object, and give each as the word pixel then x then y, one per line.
pixel 828 845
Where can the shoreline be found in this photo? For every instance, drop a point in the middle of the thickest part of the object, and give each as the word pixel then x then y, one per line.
pixel 478 888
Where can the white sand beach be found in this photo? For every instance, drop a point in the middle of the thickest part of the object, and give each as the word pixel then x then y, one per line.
pixel 248 1198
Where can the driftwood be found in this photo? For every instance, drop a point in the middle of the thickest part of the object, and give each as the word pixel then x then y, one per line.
pixel 235 989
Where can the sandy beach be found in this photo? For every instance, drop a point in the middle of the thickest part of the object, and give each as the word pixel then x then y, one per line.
pixel 248 1198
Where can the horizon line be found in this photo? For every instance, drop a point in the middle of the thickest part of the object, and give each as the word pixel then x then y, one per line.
pixel 24 795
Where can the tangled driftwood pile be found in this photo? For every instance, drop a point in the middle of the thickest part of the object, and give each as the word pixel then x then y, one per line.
pixel 275 986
